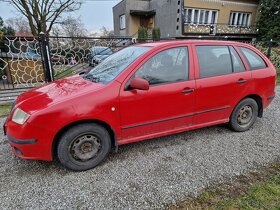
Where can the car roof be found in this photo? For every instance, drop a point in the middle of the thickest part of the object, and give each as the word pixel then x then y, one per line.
pixel 193 41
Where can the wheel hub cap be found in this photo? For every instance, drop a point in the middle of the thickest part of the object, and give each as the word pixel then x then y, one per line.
pixel 245 115
pixel 85 147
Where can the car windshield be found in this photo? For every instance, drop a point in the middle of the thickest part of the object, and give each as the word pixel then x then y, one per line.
pixel 112 66
pixel 103 51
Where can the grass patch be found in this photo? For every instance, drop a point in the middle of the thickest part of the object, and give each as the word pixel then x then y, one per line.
pixel 5 109
pixel 259 190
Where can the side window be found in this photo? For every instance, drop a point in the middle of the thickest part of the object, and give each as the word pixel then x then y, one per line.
pixel 237 63
pixel 166 67
pixel 213 60
pixel 254 60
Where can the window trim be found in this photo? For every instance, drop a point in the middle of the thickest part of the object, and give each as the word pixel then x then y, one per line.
pixel 124 17
pixel 210 12
pixel 248 63
pixel 126 86
pixel 248 20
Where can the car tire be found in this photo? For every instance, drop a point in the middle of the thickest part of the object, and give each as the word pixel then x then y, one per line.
pixel 244 115
pixel 83 146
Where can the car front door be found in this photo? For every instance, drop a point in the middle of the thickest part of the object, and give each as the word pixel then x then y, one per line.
pixel 167 105
pixel 222 81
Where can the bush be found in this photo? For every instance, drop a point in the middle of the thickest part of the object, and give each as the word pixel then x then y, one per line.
pixel 275 54
pixel 274 57
pixel 142 34
pixel 156 34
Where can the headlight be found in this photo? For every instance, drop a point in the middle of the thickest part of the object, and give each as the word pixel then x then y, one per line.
pixel 20 116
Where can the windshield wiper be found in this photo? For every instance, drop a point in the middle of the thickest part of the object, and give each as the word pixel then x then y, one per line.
pixel 91 78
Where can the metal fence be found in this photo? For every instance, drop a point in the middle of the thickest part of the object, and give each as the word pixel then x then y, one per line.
pixel 27 62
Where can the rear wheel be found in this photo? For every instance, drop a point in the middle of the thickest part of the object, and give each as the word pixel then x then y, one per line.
pixel 84 146
pixel 244 115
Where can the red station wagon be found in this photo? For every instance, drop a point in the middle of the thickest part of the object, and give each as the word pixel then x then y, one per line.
pixel 141 92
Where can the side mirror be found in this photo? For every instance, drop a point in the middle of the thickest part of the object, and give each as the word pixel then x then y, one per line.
pixel 139 83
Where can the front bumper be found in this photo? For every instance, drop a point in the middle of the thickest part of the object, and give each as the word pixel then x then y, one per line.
pixel 28 141
pixel 18 148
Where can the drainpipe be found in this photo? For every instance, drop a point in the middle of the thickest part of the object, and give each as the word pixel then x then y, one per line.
pixel 182 17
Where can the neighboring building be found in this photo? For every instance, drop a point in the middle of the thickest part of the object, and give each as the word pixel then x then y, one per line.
pixel 191 18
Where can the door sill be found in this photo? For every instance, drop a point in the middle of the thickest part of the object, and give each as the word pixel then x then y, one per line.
pixel 169 132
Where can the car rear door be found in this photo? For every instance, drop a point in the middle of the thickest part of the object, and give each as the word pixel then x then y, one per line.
pixel 169 102
pixel 221 81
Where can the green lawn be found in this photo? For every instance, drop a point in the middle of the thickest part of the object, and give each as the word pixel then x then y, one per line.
pixel 5 109
pixel 260 190
pixel 263 195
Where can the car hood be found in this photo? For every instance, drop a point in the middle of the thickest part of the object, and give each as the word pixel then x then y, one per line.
pixel 55 92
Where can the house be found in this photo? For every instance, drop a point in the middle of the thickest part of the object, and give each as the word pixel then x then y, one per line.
pixel 231 19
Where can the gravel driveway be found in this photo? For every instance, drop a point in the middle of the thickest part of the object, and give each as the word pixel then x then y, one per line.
pixel 143 175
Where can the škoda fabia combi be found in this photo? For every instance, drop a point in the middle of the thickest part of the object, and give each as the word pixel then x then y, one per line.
pixel 141 92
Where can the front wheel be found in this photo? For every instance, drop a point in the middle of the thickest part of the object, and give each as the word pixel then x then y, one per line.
pixel 244 115
pixel 84 146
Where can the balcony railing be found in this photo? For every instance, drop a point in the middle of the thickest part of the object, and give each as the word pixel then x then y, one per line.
pixel 218 29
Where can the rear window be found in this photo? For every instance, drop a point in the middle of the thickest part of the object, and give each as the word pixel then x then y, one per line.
pixel 214 60
pixel 253 59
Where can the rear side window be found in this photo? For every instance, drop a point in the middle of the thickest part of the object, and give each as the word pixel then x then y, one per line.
pixel 214 60
pixel 254 60
pixel 237 63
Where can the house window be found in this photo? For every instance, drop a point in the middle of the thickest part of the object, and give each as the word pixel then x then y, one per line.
pixel 240 19
pixel 122 22
pixel 201 16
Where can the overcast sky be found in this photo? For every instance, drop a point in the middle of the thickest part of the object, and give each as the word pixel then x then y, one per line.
pixel 94 13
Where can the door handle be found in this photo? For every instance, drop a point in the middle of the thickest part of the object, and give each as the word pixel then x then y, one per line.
pixel 241 81
pixel 187 91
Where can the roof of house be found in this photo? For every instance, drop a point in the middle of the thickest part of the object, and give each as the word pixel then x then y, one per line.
pixel 26 34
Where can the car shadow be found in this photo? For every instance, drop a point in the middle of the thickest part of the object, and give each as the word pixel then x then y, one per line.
pixel 145 147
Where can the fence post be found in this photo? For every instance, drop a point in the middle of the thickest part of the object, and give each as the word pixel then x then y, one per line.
pixel 269 48
pixel 46 58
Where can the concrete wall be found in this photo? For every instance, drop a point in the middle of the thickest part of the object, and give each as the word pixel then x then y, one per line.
pixel 142 5
pixel 166 16
pixel 119 10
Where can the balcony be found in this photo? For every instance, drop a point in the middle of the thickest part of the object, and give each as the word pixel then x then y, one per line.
pixel 218 29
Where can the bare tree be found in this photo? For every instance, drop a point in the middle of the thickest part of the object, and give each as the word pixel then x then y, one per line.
pixel 43 14
pixel 56 30
pixel 19 24
pixel 73 27
pixel 106 32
